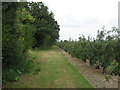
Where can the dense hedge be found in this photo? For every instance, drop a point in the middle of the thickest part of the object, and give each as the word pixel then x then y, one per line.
pixel 24 26
pixel 102 51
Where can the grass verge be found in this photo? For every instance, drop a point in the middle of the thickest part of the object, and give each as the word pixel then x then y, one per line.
pixel 56 72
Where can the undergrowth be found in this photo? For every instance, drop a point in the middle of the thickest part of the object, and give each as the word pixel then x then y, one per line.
pixel 13 74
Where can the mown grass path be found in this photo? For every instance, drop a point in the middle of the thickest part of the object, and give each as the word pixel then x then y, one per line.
pixel 56 72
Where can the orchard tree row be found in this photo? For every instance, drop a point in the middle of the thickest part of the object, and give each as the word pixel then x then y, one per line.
pixel 24 26
pixel 102 52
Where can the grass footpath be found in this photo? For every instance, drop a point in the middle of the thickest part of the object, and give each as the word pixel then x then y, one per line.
pixel 56 72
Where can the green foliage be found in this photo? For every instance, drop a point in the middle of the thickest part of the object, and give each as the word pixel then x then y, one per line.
pixel 25 25
pixel 10 75
pixel 101 52
pixel 47 28
pixel 28 66
pixel 25 29
pixel 113 68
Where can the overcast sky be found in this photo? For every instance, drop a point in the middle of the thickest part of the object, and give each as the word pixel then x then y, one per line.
pixel 77 17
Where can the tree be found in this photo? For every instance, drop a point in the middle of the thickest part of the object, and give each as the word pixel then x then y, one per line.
pixel 25 25
pixel 47 29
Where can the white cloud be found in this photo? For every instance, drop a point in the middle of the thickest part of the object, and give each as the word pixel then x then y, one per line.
pixel 83 16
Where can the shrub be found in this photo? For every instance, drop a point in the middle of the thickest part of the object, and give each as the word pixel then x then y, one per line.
pixel 10 75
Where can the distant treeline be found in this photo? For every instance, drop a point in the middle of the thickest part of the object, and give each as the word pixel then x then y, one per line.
pixel 24 26
pixel 103 52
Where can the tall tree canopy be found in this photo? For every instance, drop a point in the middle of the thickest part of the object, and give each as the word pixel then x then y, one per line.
pixel 47 28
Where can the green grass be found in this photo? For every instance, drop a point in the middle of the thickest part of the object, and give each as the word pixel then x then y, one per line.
pixel 56 72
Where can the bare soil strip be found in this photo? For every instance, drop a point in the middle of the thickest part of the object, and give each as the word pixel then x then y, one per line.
pixel 94 76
